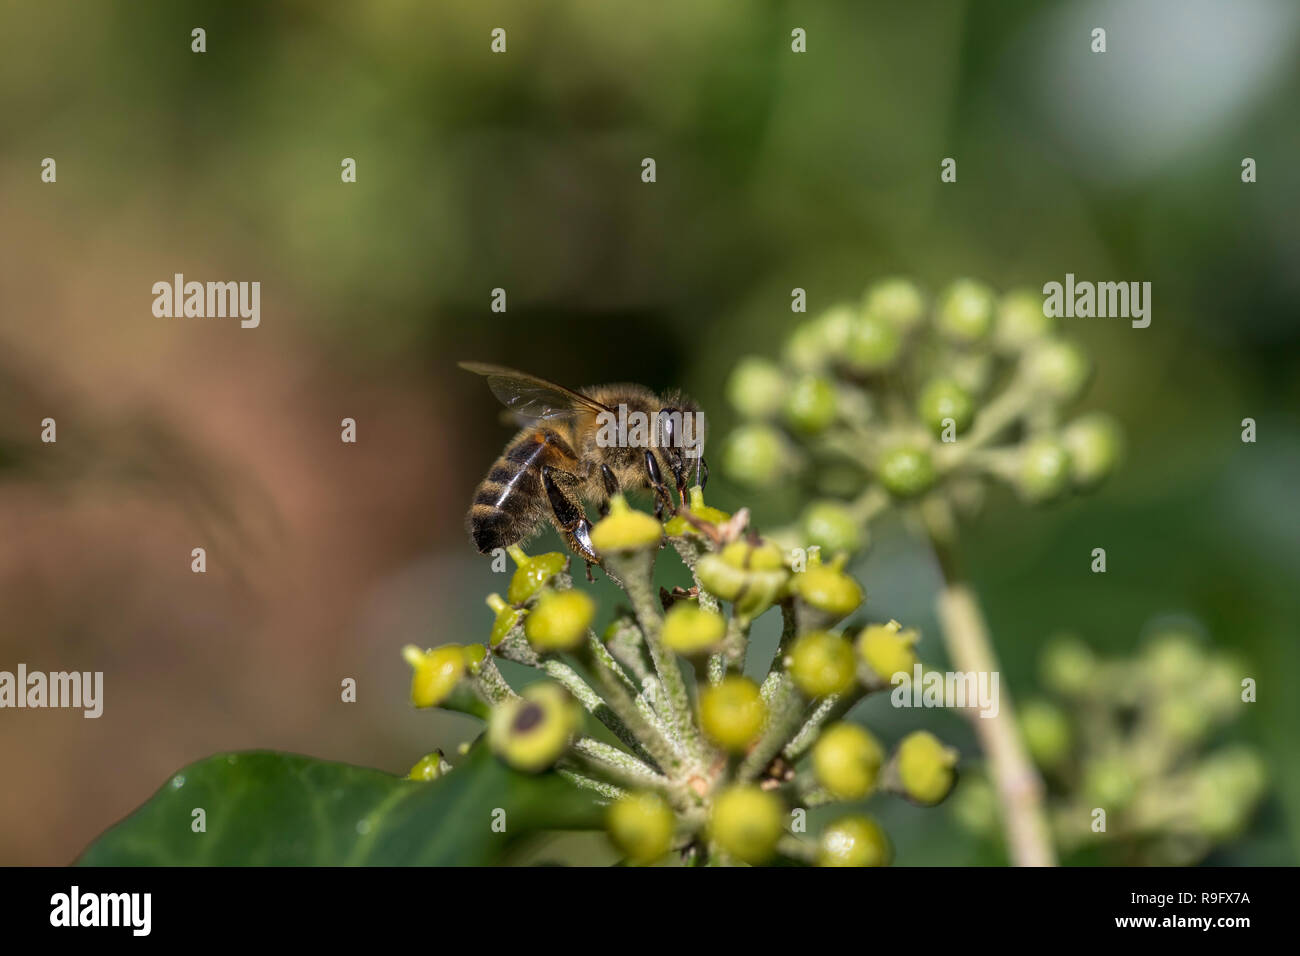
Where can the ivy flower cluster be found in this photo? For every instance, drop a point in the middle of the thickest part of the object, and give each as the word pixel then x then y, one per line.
pixel 895 400
pixel 695 758
pixel 1123 745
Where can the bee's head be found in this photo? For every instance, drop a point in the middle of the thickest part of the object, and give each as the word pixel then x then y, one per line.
pixel 679 437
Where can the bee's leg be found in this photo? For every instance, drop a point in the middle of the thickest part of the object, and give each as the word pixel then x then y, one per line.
pixel 655 479
pixel 568 515
pixel 701 472
pixel 611 488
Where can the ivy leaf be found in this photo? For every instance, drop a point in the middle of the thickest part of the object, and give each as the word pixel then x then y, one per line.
pixel 274 809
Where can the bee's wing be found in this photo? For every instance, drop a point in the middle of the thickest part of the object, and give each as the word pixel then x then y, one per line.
pixel 530 398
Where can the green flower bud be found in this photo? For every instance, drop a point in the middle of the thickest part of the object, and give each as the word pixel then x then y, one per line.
pixel 926 767
pixel 1058 368
pixel 821 663
pixel 752 577
pixel 1021 321
pixel 755 455
pixel 1108 782
pixel 975 806
pixel 429 767
pixel 677 526
pixel 532 731
pixel 888 649
pixel 1046 732
pixel 873 345
pixel 1173 660
pixel 846 760
pixel 506 620
pixel 1095 444
pixel 641 825
pixel 816 342
pixel 756 388
pixel 854 841
pixel 1044 472
pixel 906 472
pixel 1182 719
pixel 690 629
pixel 897 301
pixel 532 573
pixel 831 526
pixel 811 405
pixel 1069 667
pixel 966 312
pixel 732 712
pixel 747 822
pixel 624 530
pixel 944 399
pixel 435 673
pixel 560 620
pixel 475 655
pixel 829 590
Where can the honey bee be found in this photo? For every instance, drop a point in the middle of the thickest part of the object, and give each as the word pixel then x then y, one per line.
pixel 580 446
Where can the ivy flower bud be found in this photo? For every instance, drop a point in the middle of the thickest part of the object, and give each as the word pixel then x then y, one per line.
pixel 1069 667
pixel 532 731
pixel 1095 444
pixel 825 588
pixel 1021 321
pixel 810 406
pixel 429 767
pixel 753 577
pixel 944 399
pixel 689 629
pixel 435 674
pixel 873 345
pixel 756 388
pixel 755 455
pixel 926 767
pixel 966 312
pixel 677 526
pixel 906 471
pixel 532 573
pixel 1044 470
pixel 897 301
pixel 1046 732
pixel 506 620
pixel 641 825
pixel 831 526
pixel 475 655
pixel 1058 368
pixel 854 841
pixel 846 760
pixel 624 529
pixel 560 620
pixel 732 712
pixel 815 342
pixel 888 649
pixel 1108 782
pixel 1182 720
pixel 746 822
pixel 821 663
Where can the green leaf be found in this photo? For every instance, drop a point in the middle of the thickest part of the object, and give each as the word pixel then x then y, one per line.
pixel 273 809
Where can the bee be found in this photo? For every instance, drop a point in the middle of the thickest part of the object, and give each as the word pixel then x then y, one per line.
pixel 576 447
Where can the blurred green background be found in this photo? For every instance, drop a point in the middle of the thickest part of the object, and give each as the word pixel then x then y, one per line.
pixel 522 171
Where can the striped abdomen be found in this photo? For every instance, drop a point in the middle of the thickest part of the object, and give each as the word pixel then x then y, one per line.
pixel 511 501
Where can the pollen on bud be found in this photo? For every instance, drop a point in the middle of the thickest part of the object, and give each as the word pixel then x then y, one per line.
pixel 888 649
pixel 746 822
pixel 624 529
pixel 926 768
pixel 641 826
pixel 732 712
pixel 829 590
pixel 821 663
pixel 846 760
pixel 690 629
pixel 560 620
pixel 533 574
pixel 435 673
pixel 854 841
pixel 532 731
